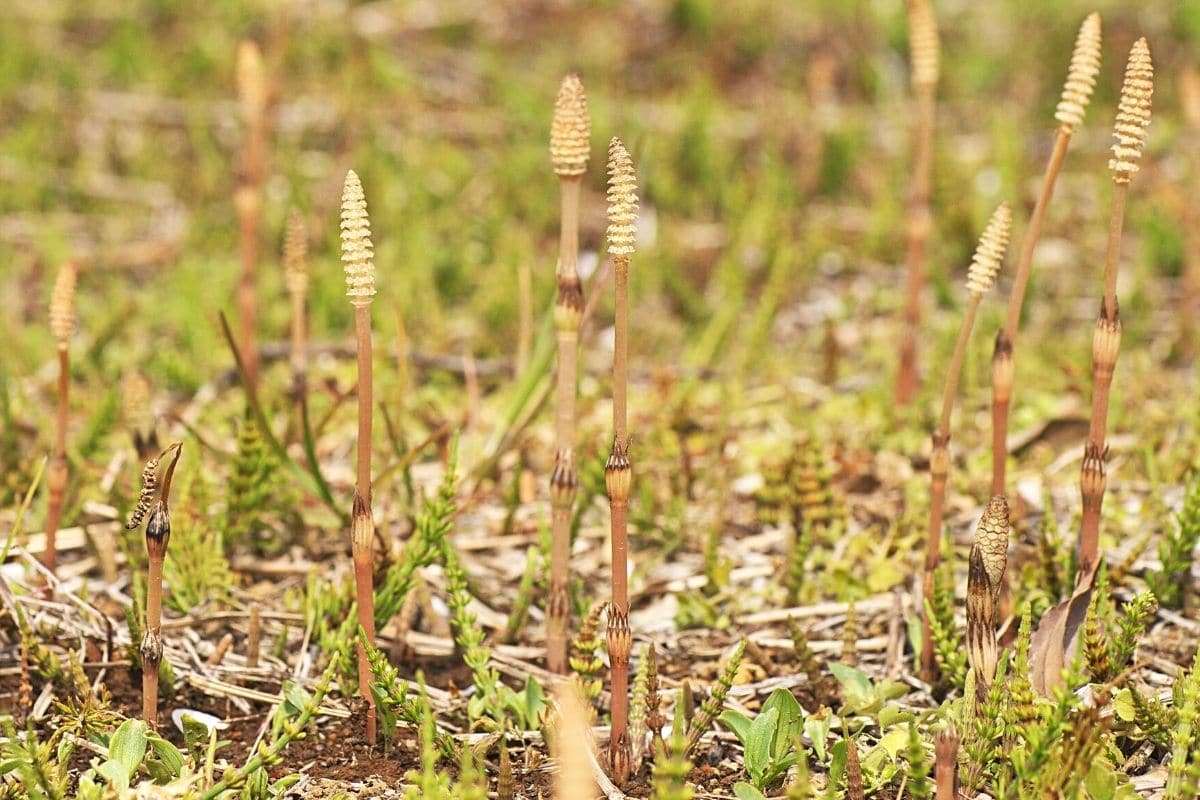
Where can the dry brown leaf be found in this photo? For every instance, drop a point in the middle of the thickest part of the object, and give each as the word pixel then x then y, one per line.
pixel 1056 637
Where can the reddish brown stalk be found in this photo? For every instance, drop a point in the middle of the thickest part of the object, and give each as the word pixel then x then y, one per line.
pixel 622 215
pixel 56 479
pixel 295 276
pixel 360 288
pixel 158 535
pixel 939 469
pixel 1002 356
pixel 924 57
pixel 945 768
pixel 252 95
pixel 1133 117
pixel 62 325
pixel 569 152
pixel 986 263
pixel 1189 284
pixel 524 318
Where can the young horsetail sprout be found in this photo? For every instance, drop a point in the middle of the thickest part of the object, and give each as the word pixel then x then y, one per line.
pixel 622 235
pixel 1077 92
pixel 945 766
pixel 985 578
pixel 357 254
pixel 153 507
pixel 569 149
pixel 62 326
pixel 252 97
pixel 295 278
pixel 924 56
pixel 982 274
pixel 1133 117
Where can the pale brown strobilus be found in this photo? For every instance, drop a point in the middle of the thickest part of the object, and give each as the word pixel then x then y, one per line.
pixel 985 579
pixel 989 255
pixel 1076 94
pixel 924 60
pixel 1133 118
pixel 618 474
pixel 153 507
pixel 358 261
pixel 62 326
pixel 570 137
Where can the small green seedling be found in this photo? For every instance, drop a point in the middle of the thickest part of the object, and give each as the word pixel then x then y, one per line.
pixel 769 738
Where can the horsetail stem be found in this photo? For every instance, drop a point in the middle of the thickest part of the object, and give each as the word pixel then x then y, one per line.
pixel 570 135
pixel 989 255
pixel 357 259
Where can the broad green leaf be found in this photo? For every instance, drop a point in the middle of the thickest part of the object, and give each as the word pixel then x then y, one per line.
pixel 837 761
pixel 127 748
pixel 894 741
pixel 1101 783
pixel 856 685
pixel 791 718
pixel 737 722
pixel 166 759
pixel 745 791
pixel 760 743
pixel 817 727
pixel 1123 706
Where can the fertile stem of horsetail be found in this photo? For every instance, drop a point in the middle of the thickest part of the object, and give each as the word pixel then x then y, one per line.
pixel 252 96
pixel 153 507
pixel 945 765
pixel 357 254
pixel 1133 117
pixel 569 149
pixel 1077 92
pixel 985 578
pixel 989 255
pixel 924 56
pixel 622 235
pixel 62 325
pixel 295 278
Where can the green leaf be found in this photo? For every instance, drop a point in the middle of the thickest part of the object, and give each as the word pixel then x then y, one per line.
pixel 817 727
pixel 837 762
pixel 891 715
pixel 737 722
pixel 195 735
pixel 856 686
pixel 167 762
pixel 791 717
pixel 1101 783
pixel 760 743
pixel 1123 706
pixel 126 749
pixel 535 702
pixel 894 741
pixel 745 791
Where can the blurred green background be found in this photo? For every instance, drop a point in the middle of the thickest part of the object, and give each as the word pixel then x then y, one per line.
pixel 771 140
